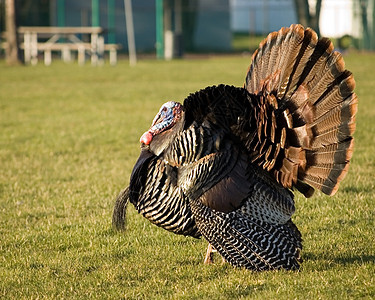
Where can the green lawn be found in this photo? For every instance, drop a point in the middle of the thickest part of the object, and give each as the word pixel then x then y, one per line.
pixel 69 138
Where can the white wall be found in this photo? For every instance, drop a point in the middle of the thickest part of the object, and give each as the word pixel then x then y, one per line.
pixel 337 17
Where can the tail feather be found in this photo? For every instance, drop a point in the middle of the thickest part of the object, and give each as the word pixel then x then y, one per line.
pixel 328 185
pixel 328 78
pixel 332 136
pixel 340 114
pixel 315 103
pixel 290 52
pixel 316 63
pixel 334 96
pixel 292 73
pixel 268 50
pixel 324 170
pixel 339 152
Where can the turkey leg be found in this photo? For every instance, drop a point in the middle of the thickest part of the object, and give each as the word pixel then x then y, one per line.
pixel 209 255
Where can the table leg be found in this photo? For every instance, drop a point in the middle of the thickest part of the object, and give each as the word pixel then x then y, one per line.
pixel 27 47
pixel 47 57
pixel 34 48
pixel 66 55
pixel 94 49
pixel 81 55
pixel 113 56
pixel 100 49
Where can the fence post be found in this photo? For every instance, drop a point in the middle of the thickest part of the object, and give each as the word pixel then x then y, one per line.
pixel 95 13
pixel 159 29
pixel 61 13
pixel 111 22
pixel 130 32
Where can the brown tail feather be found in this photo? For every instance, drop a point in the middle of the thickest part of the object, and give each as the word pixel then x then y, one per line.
pixel 316 63
pixel 337 125
pixel 293 73
pixel 330 76
pixel 342 113
pixel 314 111
pixel 334 95
pixel 339 153
pixel 330 184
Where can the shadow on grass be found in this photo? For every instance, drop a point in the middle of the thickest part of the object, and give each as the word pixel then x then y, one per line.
pixel 360 260
pixel 329 262
pixel 357 189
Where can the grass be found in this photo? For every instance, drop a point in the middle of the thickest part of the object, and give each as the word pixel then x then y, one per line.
pixel 68 141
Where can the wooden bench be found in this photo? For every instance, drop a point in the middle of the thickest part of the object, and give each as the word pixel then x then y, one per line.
pixel 66 40
pixel 81 48
pixel 67 48
pixel 96 48
pixel 112 49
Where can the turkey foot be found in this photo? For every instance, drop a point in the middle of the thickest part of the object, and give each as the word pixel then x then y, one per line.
pixel 209 255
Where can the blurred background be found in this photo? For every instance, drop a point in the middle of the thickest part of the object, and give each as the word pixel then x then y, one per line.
pixel 174 28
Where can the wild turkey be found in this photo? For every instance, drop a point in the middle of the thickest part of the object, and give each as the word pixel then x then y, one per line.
pixel 224 164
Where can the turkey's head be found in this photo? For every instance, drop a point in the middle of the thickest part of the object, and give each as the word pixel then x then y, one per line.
pixel 163 127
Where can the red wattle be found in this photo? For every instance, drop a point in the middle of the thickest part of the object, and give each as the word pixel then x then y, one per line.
pixel 146 138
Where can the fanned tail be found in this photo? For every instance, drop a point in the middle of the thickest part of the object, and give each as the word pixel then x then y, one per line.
pixel 308 110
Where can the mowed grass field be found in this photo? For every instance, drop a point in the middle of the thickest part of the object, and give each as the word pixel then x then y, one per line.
pixel 69 137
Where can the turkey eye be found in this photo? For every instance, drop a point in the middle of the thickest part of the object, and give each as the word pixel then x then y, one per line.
pixel 164 108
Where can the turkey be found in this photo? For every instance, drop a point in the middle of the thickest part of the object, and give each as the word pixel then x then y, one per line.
pixel 225 163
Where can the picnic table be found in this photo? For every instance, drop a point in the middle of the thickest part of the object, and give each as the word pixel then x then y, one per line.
pixel 66 40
